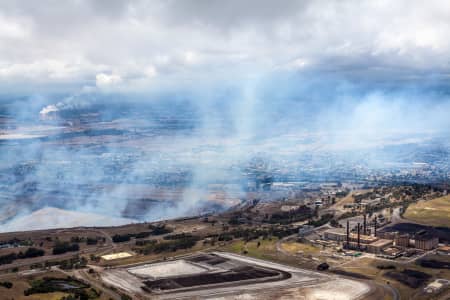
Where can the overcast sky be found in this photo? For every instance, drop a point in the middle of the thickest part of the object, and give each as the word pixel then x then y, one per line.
pixel 109 45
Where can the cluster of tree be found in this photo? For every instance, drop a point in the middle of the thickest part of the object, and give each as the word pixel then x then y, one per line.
pixel 159 229
pixel 121 238
pixel 170 245
pixel 409 277
pixel 6 284
pixel 29 253
pixel 145 242
pixel 324 219
pixel 51 284
pixel 335 223
pixel 143 234
pixel 36 266
pixel 83 295
pixel 68 264
pixel 125 297
pixel 63 247
pixel 16 242
pixel 13 241
pixel 76 262
pixel 435 264
pixel 237 219
pixel 177 236
pixel 207 220
pixel 174 245
pixel 348 214
pixel 77 239
pixel 286 217
pixel 249 234
pixel 87 240
pixel 92 241
pixel 8 258
pixel 386 267
pixel 155 230
pixel 224 237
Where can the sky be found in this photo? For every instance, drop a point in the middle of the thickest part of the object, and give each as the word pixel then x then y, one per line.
pixel 109 46
pixel 355 74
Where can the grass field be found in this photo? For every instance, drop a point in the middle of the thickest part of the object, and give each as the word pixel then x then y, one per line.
pixel 339 205
pixel 434 212
pixel 17 293
pixel 265 250
pixel 294 248
pixel 367 266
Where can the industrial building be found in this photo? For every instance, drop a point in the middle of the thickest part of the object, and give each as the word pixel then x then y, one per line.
pixel 402 240
pixel 115 256
pixel 379 246
pixel 390 235
pixel 335 234
pixel 368 243
pixel 389 244
pixel 425 241
pixel 444 250
pixel 339 235
pixel 391 252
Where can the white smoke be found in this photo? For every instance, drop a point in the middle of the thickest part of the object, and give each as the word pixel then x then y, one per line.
pixel 48 109
pixel 70 103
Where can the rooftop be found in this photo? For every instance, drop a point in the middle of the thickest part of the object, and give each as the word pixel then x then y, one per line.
pixel 444 249
pixel 381 242
pixel 116 256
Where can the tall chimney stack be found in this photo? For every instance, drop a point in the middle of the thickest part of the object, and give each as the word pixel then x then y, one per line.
pixel 365 225
pixel 375 229
pixel 348 234
pixel 359 235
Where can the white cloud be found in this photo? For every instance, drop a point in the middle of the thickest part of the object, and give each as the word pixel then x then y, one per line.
pixel 190 57
pixel 105 80
pixel 83 40
pixel 12 28
pixel 150 71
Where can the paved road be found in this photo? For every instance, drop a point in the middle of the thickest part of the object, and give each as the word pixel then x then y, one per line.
pixel 81 274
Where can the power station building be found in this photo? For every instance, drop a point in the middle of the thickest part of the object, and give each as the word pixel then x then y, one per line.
pixel 425 242
pixel 402 240
pixel 389 244
pixel 368 243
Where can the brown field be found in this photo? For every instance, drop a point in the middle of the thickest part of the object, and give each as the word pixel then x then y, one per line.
pixel 367 266
pixel 434 212
pixel 339 205
pixel 21 283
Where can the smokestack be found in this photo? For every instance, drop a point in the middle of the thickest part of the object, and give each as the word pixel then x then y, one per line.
pixel 359 235
pixel 375 229
pixel 365 228
pixel 348 234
